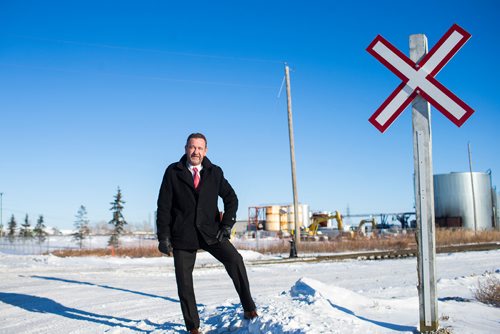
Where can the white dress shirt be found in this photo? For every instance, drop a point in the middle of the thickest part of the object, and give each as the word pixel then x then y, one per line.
pixel 190 167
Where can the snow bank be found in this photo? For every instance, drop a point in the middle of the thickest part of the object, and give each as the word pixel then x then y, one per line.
pixel 313 307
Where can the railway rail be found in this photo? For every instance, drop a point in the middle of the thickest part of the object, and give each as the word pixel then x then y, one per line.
pixel 378 255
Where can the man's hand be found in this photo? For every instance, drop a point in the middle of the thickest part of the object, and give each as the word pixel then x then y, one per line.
pixel 165 247
pixel 224 233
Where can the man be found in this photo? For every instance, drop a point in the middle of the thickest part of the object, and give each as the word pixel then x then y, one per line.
pixel 188 219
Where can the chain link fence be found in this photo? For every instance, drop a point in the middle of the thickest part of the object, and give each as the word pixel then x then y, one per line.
pixel 33 246
pixel 28 246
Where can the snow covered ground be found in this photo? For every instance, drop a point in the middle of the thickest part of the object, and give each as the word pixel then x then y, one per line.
pixel 46 294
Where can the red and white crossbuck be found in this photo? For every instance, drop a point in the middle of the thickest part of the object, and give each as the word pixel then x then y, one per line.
pixel 420 79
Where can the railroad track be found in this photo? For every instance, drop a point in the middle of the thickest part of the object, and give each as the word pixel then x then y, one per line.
pixel 378 255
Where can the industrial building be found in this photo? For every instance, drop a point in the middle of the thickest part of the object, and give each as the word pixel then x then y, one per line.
pixel 461 200
pixel 277 218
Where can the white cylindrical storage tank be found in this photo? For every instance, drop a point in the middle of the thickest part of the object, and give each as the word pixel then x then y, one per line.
pixel 453 200
pixel 284 218
pixel 305 221
pixel 273 218
pixel 291 216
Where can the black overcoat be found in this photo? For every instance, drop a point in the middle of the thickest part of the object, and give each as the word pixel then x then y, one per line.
pixel 182 210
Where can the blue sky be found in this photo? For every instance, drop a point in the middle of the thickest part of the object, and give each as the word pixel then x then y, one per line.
pixel 96 95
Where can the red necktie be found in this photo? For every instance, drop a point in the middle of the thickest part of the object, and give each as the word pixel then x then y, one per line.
pixel 196 178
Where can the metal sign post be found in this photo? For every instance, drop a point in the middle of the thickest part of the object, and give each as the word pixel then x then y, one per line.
pixel 419 87
pixel 424 199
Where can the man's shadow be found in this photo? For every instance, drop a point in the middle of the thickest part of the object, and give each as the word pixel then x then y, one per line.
pixel 109 287
pixel 46 305
pixel 105 287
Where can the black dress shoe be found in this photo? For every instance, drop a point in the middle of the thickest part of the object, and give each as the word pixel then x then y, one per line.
pixel 249 315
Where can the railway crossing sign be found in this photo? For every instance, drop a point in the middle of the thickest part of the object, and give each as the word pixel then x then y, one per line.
pixel 420 88
pixel 419 79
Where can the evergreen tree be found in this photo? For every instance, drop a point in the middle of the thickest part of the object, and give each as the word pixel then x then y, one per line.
pixel 81 226
pixel 118 221
pixel 26 231
pixel 11 233
pixel 39 230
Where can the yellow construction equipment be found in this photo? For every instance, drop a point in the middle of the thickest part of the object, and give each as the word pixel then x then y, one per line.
pixel 318 219
pixel 362 223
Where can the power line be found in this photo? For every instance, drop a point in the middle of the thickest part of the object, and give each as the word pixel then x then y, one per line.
pixel 119 47
pixel 202 82
pixel 161 78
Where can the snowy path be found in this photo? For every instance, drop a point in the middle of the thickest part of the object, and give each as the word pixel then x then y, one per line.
pixel 46 294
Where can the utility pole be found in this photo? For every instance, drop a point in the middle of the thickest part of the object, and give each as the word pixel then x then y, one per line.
pixel 292 160
pixel 424 198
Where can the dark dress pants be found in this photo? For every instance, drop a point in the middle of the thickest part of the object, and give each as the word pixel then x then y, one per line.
pixel 233 262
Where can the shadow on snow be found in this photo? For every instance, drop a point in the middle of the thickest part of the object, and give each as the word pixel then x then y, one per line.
pixel 46 305
pixel 395 327
pixel 105 287
pixel 49 306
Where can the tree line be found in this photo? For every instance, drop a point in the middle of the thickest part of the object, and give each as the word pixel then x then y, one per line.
pixel 81 225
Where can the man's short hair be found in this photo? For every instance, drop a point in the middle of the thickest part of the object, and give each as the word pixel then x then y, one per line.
pixel 197 135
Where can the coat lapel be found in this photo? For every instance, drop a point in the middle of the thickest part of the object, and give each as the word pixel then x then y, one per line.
pixel 186 177
pixel 184 174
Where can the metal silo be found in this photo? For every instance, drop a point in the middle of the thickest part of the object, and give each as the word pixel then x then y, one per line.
pixel 453 200
pixel 273 218
pixel 303 216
